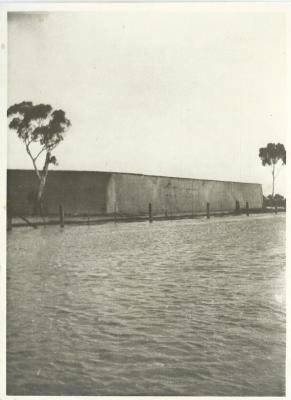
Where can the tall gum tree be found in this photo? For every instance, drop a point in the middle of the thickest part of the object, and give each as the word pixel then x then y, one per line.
pixel 271 155
pixel 40 127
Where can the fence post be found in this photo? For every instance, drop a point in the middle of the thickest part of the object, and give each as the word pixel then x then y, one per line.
pixel 115 217
pixel 276 208
pixel 150 212
pixel 208 210
pixel 61 214
pixel 247 208
pixel 237 206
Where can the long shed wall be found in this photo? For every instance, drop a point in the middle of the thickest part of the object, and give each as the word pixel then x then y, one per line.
pixel 89 192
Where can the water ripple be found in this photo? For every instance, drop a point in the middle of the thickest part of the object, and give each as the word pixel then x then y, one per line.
pixel 190 307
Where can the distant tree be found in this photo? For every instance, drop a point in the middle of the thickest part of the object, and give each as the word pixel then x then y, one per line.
pixel 279 197
pixel 270 155
pixel 273 201
pixel 41 127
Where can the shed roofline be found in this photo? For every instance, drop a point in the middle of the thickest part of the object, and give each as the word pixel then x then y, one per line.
pixel 137 174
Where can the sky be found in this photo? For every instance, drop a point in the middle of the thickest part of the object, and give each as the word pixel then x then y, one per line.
pixel 187 93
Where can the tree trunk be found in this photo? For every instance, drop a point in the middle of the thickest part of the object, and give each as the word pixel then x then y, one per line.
pixel 273 175
pixel 41 188
pixel 42 181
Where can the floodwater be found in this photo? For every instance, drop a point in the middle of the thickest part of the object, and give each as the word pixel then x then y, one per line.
pixel 189 307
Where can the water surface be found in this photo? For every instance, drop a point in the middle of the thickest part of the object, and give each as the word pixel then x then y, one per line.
pixel 189 307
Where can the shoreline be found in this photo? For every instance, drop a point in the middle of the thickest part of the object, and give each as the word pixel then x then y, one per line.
pixel 34 222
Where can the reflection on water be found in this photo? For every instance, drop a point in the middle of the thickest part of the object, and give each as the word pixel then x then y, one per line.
pixel 190 307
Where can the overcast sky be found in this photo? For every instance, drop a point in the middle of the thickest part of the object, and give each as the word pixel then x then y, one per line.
pixel 184 93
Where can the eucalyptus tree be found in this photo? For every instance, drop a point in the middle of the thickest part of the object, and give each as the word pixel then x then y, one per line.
pixel 41 129
pixel 271 155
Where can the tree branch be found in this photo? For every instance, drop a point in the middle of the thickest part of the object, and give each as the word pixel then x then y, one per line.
pixel 33 161
pixel 36 157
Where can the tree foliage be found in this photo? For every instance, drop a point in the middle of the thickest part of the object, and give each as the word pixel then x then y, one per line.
pixel 273 201
pixel 38 124
pixel 271 155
